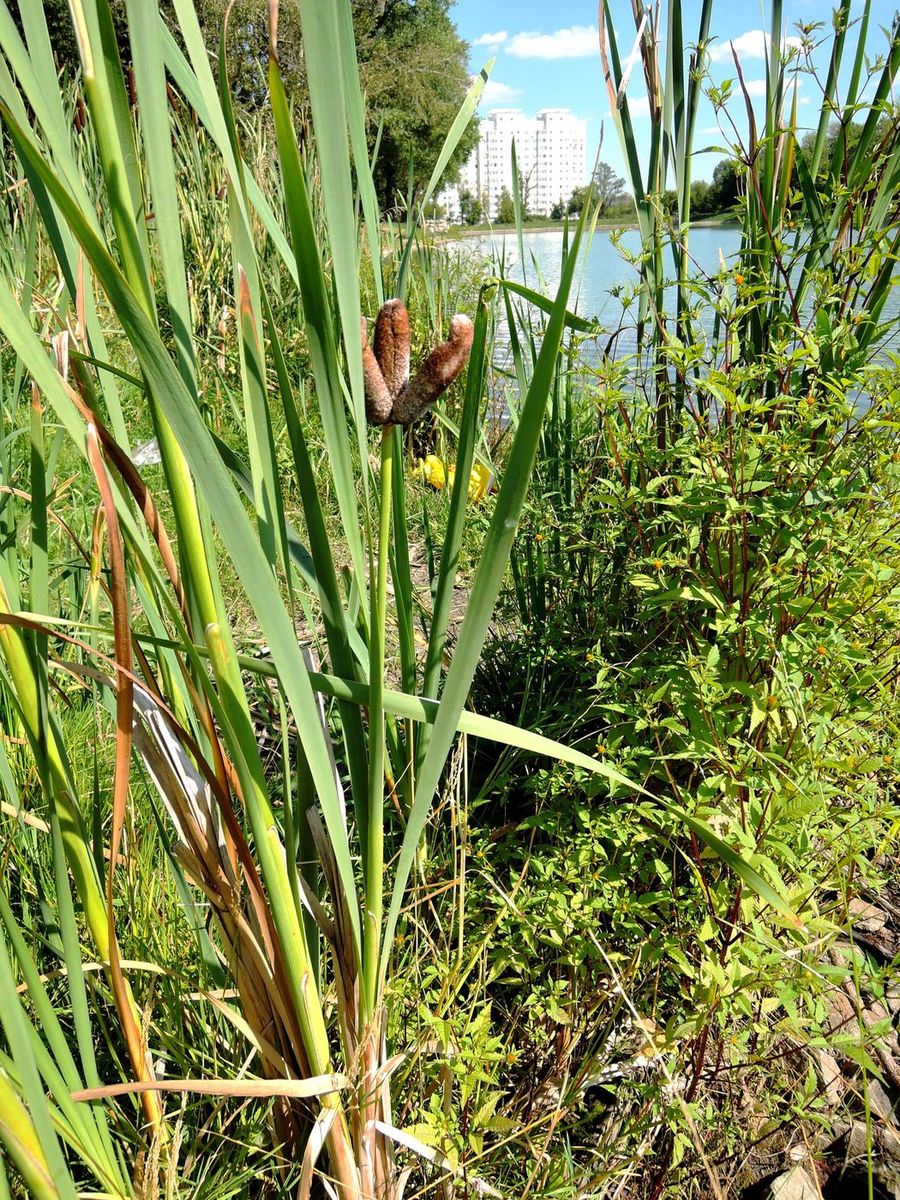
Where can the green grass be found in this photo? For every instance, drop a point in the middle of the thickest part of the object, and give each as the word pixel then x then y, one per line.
pixel 599 760
pixel 273 948
pixel 542 224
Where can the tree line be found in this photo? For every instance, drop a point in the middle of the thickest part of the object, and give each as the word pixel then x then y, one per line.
pixel 716 197
pixel 707 199
pixel 414 73
pixel 413 69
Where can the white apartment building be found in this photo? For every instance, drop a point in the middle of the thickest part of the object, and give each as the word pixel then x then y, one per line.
pixel 550 149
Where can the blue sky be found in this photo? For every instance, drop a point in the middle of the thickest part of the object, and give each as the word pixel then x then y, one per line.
pixel 547 56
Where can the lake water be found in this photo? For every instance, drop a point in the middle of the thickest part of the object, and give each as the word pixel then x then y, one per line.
pixel 604 275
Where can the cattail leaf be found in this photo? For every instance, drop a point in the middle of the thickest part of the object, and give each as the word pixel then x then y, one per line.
pixel 485 589
pixel 297 1089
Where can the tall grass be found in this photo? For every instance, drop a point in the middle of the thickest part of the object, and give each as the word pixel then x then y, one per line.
pixel 819 238
pixel 154 639
pixel 292 891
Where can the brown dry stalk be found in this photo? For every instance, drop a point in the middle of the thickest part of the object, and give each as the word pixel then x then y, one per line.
pixel 124 719
pixel 131 477
pixel 254 952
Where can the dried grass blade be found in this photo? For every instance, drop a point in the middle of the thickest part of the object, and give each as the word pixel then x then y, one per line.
pixel 254 1089
pixel 314 1145
pixel 122 773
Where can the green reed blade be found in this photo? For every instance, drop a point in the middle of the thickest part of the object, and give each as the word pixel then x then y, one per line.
pixel 401 571
pixel 207 468
pixel 26 1126
pixel 485 589
pixel 319 328
pixel 465 453
pixel 356 120
pixel 345 646
pixel 451 141
pixel 150 82
pixel 326 49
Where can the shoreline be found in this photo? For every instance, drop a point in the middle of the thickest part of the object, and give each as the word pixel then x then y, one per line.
pixel 455 232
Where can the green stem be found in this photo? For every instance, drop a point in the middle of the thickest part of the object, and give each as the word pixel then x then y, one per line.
pixel 375 847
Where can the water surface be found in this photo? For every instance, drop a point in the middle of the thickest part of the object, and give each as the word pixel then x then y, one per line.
pixel 604 276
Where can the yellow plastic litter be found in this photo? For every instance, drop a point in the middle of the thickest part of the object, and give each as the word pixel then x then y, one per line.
pixel 438 476
pixel 481 481
pixel 432 471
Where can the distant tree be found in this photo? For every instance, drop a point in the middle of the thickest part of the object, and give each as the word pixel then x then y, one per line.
pixel 506 209
pixel 577 200
pixel 699 198
pixel 725 187
pixel 836 135
pixel 414 72
pixel 413 68
pixel 622 207
pixel 558 211
pixel 526 183
pixel 843 139
pixel 247 46
pixel 609 188
pixel 470 210
pixel 669 201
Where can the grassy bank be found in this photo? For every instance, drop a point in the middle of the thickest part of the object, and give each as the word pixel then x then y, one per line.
pixel 728 220
pixel 371 839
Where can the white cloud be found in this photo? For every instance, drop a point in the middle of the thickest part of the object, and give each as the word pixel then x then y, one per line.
pixel 496 92
pixel 578 41
pixel 491 39
pixel 755 87
pixel 639 106
pixel 752 44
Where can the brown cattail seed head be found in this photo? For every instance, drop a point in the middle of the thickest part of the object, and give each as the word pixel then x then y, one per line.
pixel 391 345
pixel 436 373
pixel 379 400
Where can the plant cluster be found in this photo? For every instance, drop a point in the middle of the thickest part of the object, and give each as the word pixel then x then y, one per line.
pixel 562 797
pixel 708 585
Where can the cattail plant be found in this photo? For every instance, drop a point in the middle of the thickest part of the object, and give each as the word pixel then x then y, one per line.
pixel 307 883
pixel 392 398
pixel 185 709
pixel 817 235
